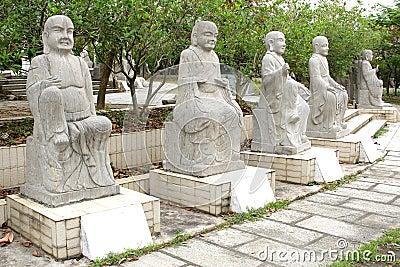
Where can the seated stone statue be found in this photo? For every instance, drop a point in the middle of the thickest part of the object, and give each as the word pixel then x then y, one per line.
pixel 67 153
pixel 328 101
pixel 204 137
pixel 279 122
pixel 368 85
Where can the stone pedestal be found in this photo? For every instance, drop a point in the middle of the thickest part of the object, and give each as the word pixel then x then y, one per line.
pixel 387 112
pixel 328 135
pixel 58 199
pixel 301 168
pixel 58 230
pixel 216 194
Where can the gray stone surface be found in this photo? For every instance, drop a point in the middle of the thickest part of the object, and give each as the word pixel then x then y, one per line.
pixel 280 120
pixel 288 216
pixel 360 185
pixel 204 137
pixel 280 232
pixel 339 228
pixel 328 199
pixel 156 259
pixel 67 153
pixel 369 86
pixel 202 253
pixel 384 188
pixel 362 194
pixel 336 212
pixel 373 207
pixel 229 237
pixel 328 101
pixel 380 222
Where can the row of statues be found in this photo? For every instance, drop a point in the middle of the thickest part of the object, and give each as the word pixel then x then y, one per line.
pixel 68 149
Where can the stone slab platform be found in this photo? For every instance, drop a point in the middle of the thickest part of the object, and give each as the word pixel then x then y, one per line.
pixel 388 112
pixel 349 148
pixel 58 230
pixel 299 169
pixel 210 194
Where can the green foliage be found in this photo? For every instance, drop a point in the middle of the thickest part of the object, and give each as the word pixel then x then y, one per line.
pixel 345 180
pixel 381 132
pixel 13 133
pixel 375 249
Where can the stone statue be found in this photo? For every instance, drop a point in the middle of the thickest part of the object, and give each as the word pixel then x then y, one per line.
pixel 204 137
pixel 281 117
pixel 85 55
pixel 328 101
pixel 368 85
pixel 67 158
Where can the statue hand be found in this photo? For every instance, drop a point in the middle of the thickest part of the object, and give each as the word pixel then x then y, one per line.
pixel 52 81
pixel 285 69
pixel 332 89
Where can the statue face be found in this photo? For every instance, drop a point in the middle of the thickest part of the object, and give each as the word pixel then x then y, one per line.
pixel 60 35
pixel 207 36
pixel 369 56
pixel 323 47
pixel 278 45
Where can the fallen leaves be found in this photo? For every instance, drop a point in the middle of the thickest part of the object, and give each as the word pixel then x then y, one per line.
pixel 36 254
pixel 27 244
pixel 7 238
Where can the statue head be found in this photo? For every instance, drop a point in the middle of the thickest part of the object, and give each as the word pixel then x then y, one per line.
pixel 204 35
pixel 367 55
pixel 320 45
pixel 275 42
pixel 58 35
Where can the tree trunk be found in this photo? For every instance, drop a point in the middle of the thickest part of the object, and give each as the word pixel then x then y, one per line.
pixel 101 97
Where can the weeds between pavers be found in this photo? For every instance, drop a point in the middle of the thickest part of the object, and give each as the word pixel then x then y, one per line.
pixel 384 251
pixel 381 131
pixel 180 239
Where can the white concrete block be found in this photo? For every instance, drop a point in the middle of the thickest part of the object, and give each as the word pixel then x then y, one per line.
pixel 132 231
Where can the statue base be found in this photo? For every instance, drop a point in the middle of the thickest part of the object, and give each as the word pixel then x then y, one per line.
pixel 59 199
pixel 283 150
pixel 204 170
pixel 328 135
pixel 302 168
pixel 58 231
pixel 216 194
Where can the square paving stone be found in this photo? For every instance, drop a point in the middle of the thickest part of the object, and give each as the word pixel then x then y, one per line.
pixel 288 216
pixel 391 189
pixel 229 237
pixel 273 252
pixel 360 185
pixel 341 229
pixel 382 180
pixel 204 254
pixel 333 243
pixel 279 231
pixel 155 259
pixel 336 212
pixel 327 199
pixel 363 194
pixel 373 207
pixel 380 222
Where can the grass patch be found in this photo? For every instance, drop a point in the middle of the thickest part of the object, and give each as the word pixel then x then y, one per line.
pixel 384 251
pixel 345 180
pixel 180 238
pixel 381 132
pixel 391 99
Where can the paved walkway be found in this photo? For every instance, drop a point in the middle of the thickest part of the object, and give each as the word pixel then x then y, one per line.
pixel 312 232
